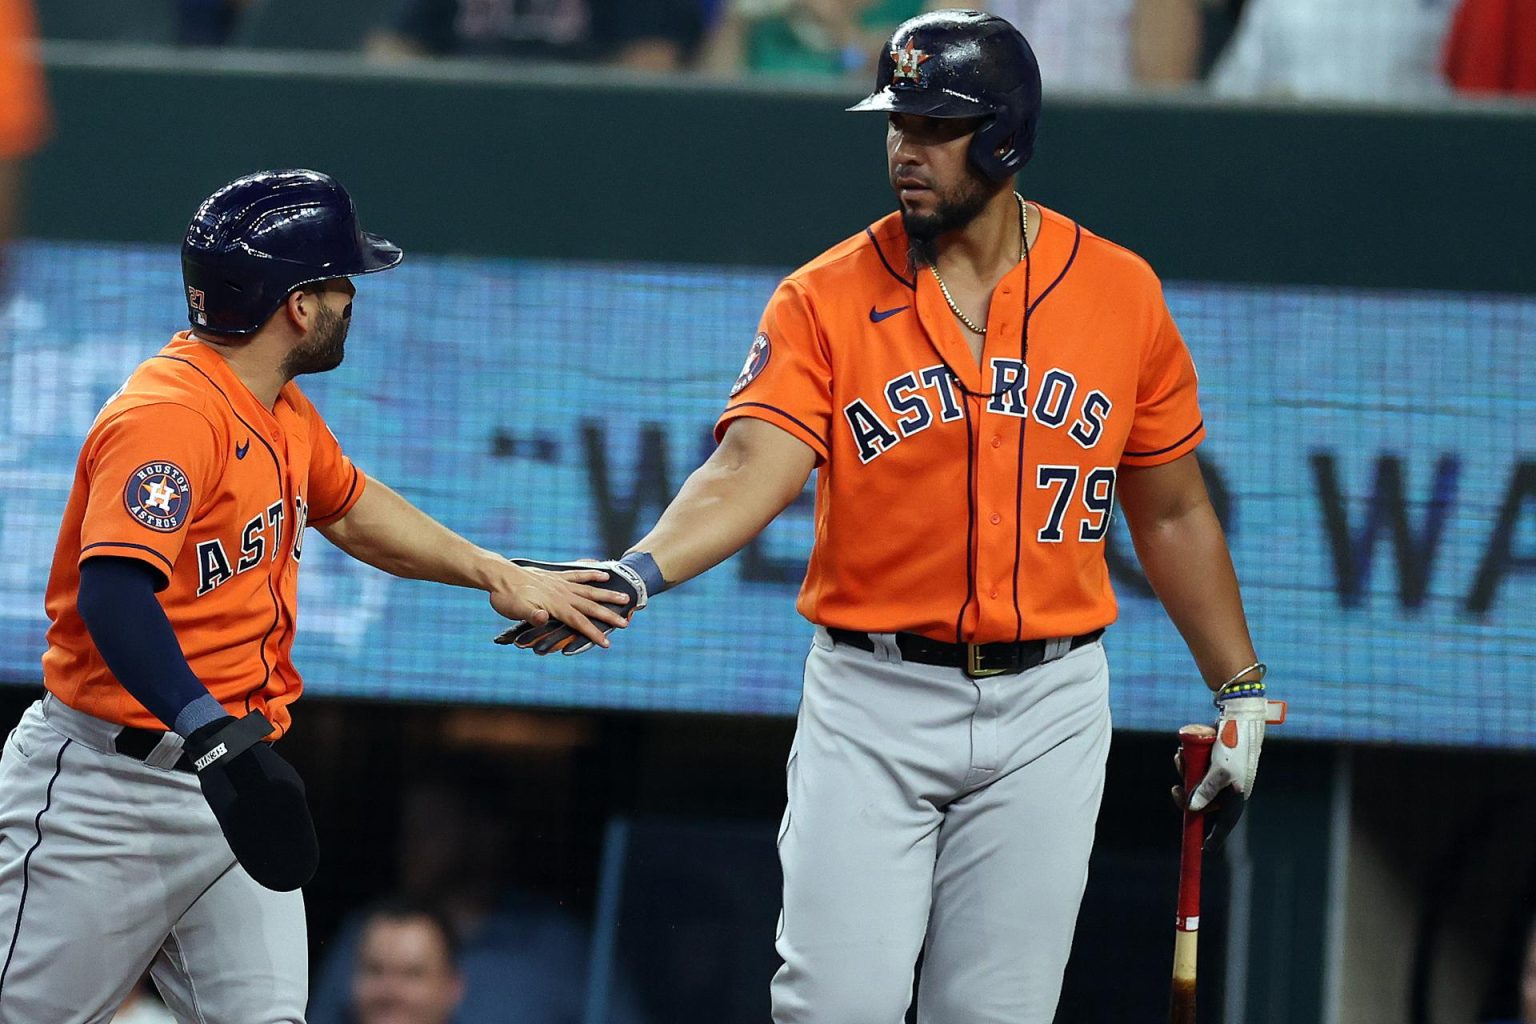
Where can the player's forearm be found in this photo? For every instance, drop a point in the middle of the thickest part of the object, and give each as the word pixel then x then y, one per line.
pixel 389 533
pixel 720 508
pixel 1186 560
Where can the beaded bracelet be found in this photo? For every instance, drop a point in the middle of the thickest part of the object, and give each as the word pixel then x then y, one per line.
pixel 1248 688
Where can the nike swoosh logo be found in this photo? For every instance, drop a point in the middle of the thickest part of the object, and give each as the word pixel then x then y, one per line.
pixel 876 315
pixel 241 449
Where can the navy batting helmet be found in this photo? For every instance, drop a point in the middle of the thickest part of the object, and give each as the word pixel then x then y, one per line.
pixel 965 64
pixel 261 236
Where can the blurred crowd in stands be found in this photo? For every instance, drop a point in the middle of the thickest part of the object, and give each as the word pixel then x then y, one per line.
pixel 1312 49
pixel 1320 50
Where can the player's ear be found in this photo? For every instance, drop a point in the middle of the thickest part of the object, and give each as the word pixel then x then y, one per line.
pixel 300 307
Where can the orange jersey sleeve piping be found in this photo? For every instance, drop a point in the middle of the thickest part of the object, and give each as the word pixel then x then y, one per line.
pixel 1180 448
pixel 779 418
pixel 137 552
pixel 354 495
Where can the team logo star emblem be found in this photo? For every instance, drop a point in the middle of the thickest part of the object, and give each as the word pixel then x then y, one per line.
pixel 909 63
pixel 757 358
pixel 160 495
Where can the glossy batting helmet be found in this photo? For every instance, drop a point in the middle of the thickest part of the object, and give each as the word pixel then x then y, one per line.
pixel 965 64
pixel 261 236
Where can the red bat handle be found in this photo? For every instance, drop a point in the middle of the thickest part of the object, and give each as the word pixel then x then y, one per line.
pixel 1196 748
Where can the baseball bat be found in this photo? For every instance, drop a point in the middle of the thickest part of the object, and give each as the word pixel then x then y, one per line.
pixel 1195 748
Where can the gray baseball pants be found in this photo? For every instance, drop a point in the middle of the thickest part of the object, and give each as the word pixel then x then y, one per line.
pixel 109 866
pixel 930 812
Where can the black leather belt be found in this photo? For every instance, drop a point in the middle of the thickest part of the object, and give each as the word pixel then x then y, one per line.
pixel 140 743
pixel 976 660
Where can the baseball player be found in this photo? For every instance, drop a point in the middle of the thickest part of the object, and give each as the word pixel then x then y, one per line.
pixel 145 819
pixel 975 379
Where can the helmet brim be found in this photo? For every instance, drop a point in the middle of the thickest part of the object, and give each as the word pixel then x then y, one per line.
pixel 923 104
pixel 379 253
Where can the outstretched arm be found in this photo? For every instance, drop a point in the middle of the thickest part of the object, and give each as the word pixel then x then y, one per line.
pixel 757 471
pixel 752 477
pixel 389 533
pixel 1184 555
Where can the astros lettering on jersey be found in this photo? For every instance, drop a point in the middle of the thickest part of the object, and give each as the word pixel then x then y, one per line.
pixel 1018 459
pixel 185 470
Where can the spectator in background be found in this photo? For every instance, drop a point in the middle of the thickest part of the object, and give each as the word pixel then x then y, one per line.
pixel 651 35
pixel 1376 50
pixel 1492 47
pixel 1106 45
pixel 407 969
pixel 524 957
pixel 802 38
pixel 23 114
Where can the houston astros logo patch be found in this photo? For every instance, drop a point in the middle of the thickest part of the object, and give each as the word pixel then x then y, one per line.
pixel 158 496
pixel 757 358
pixel 909 66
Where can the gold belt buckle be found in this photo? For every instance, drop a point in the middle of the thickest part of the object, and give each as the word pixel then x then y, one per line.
pixel 973 666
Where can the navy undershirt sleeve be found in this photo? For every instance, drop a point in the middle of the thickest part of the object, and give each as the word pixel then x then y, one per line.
pixel 117 602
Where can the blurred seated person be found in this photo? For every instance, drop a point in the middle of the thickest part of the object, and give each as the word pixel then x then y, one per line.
pixel 802 38
pixel 522 962
pixel 1373 50
pixel 23 114
pixel 407 969
pixel 647 35
pixel 523 957
pixel 1106 45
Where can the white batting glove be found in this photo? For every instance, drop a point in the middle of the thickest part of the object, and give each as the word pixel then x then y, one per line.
pixel 1243 711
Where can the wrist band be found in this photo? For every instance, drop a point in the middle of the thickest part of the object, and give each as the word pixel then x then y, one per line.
pixel 1239 690
pixel 646 568
pixel 1248 688
pixel 198 714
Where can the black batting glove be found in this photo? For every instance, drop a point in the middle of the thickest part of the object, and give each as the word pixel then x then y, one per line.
pixel 554 635
pixel 258 800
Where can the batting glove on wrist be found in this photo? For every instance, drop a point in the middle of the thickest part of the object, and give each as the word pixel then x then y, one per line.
pixel 258 800
pixel 1242 713
pixel 555 635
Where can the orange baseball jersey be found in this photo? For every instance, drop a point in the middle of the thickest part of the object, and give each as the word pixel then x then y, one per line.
pixel 187 471
pixel 969 502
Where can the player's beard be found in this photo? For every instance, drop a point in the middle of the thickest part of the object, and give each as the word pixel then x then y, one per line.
pixel 956 208
pixel 325 347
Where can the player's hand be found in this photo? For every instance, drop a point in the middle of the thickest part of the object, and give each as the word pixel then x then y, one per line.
pixel 554 634
pixel 571 594
pixel 258 800
pixel 1242 713
pixel 1220 815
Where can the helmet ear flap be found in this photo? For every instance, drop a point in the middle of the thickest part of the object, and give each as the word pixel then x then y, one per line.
pixel 1006 141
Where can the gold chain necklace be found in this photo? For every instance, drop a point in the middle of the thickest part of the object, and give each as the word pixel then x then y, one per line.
pixel 1023 251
